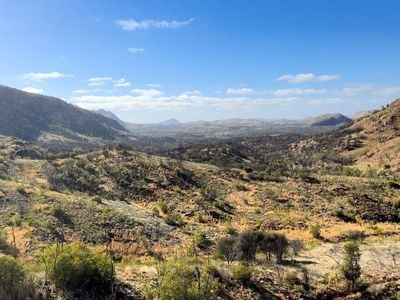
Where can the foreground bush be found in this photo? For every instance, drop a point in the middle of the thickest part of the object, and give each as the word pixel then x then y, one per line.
pixel 78 272
pixel 14 281
pixel 182 279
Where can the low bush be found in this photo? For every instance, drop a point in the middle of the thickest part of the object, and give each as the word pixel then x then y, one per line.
pixel 77 271
pixel 242 273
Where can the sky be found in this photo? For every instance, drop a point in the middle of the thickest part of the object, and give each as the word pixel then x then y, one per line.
pixel 153 60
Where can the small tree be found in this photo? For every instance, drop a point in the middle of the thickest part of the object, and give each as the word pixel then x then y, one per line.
pixel 248 243
pixel 351 268
pixel 226 248
pixel 12 274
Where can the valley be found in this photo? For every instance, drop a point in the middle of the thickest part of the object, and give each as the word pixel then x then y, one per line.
pixel 160 210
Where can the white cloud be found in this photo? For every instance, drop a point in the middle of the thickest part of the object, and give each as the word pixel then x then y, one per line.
pixel 147 92
pixel 239 91
pixel 44 76
pixel 98 81
pixel 371 90
pixel 298 92
pixel 80 91
pixel 33 90
pixel 121 83
pixel 308 77
pixel 134 50
pixel 132 24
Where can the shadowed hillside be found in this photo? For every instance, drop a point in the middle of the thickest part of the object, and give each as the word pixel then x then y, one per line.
pixel 36 118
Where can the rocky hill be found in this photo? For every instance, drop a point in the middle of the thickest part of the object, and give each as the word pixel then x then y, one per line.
pixel 51 121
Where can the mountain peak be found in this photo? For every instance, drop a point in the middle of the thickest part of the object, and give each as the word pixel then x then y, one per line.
pixel 170 122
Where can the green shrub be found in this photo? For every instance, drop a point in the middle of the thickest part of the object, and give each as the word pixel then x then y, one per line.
pixel 396 203
pixel 201 240
pixel 12 274
pixel 181 279
pixel 3 241
pixel 315 231
pixel 77 271
pixel 209 193
pixel 163 206
pixel 242 273
pixel 174 219
pixel 351 268
pixel 16 220
pixel 96 199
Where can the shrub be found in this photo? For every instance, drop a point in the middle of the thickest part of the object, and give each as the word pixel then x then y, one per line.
pixel 396 203
pixel 77 271
pixel 163 206
pixel 12 274
pixel 351 268
pixel 96 199
pixel 174 219
pixel 209 193
pixel 180 279
pixel 16 220
pixel 276 244
pixel 201 240
pixel 226 248
pixel 247 244
pixel 3 241
pixel 297 246
pixel 242 273
pixel 355 235
pixel 315 231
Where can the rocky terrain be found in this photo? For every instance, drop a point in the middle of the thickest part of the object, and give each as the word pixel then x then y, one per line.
pixel 287 205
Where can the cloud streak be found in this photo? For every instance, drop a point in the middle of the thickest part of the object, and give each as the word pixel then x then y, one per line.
pixel 298 92
pixel 308 77
pixel 131 24
pixel 239 91
pixel 44 76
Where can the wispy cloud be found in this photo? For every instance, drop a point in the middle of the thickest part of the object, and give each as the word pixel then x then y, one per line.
pixel 239 91
pixel 298 92
pixel 154 85
pixel 43 76
pixel 131 24
pixel 374 90
pixel 308 77
pixel 134 50
pixel 33 90
pixel 148 92
pixel 121 83
pixel 80 91
pixel 98 81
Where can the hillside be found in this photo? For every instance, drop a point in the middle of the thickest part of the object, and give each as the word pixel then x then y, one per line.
pixel 53 122
pixel 155 213
pixel 329 120
pixel 370 143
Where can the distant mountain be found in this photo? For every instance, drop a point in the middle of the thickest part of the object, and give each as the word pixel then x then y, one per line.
pixel 328 120
pixel 110 115
pixel 361 114
pixel 170 122
pixel 53 122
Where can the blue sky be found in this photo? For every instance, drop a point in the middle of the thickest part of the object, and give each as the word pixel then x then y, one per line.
pixel 211 59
